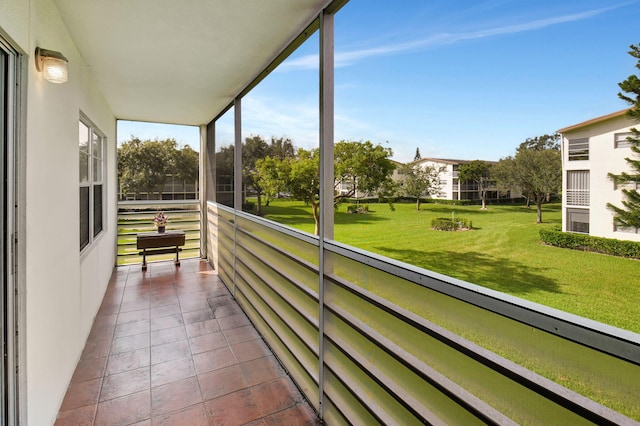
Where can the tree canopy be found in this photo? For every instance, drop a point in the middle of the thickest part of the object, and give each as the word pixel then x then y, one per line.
pixel 143 165
pixel 629 214
pixel 417 156
pixel 419 181
pixel 363 166
pixel 476 171
pixel 536 170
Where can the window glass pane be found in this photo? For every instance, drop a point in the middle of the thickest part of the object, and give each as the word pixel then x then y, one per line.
pixel 97 169
pixel 225 131
pixel 578 149
pixel 83 137
pixel 84 217
pixel 621 140
pixel 578 192
pixel 578 220
pixel 91 153
pixel 97 209
pixel 83 145
pixel 96 145
pixel 288 135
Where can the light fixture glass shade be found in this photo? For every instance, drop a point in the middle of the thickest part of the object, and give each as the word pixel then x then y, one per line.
pixel 52 64
pixel 54 70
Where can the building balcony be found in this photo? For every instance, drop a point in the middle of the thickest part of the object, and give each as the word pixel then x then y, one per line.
pixel 171 346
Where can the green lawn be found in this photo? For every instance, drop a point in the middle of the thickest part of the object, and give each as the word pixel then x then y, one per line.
pixel 502 252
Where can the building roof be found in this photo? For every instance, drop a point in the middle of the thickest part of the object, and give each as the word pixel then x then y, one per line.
pixel 594 121
pixel 447 161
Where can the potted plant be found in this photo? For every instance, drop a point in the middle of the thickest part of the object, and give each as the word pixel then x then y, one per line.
pixel 160 220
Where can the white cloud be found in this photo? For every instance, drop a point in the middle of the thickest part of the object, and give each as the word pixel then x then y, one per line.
pixel 343 59
pixel 276 117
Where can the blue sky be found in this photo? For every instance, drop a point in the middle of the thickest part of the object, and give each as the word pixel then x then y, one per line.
pixel 456 79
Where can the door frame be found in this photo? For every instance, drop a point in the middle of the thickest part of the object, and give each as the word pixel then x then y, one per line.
pixel 12 267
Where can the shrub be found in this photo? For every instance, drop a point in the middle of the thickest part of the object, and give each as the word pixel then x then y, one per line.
pixel 353 208
pixel 247 206
pixel 610 246
pixel 446 224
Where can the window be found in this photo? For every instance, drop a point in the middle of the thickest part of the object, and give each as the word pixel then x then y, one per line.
pixel 578 220
pixel 626 229
pixel 578 149
pixel 578 188
pixel 91 160
pixel 620 140
pixel 626 185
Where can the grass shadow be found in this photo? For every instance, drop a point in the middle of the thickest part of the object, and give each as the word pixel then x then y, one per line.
pixel 341 218
pixel 301 215
pixel 501 274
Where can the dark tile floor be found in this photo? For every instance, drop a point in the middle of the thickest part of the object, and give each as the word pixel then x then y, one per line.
pixel 171 347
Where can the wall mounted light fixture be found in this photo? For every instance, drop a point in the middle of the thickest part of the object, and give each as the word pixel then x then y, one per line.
pixel 52 64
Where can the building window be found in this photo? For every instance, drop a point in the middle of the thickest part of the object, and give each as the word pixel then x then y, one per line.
pixel 578 149
pixel 626 185
pixel 578 188
pixel 578 220
pixel 91 159
pixel 620 140
pixel 626 229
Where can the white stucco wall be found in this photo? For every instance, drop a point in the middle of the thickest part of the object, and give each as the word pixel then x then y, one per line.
pixel 445 191
pixel 604 158
pixel 14 21
pixel 63 289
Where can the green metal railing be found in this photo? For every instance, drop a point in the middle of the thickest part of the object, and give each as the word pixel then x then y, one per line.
pixel 383 342
pixel 137 216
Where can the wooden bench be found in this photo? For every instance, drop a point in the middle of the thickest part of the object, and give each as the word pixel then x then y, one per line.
pixel 155 243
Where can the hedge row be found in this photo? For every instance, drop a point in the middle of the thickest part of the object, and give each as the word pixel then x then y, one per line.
pixel 583 242
pixel 375 200
pixel 446 224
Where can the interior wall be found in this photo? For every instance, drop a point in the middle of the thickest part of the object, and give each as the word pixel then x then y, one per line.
pixel 63 289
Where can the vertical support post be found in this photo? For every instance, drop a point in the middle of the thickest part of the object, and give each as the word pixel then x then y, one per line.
pixel 237 155
pixel 204 182
pixel 326 105
pixel 237 178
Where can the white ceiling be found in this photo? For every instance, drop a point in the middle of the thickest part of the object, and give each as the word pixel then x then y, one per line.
pixel 180 61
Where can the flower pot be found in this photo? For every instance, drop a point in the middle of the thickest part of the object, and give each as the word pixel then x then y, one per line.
pixel 161 229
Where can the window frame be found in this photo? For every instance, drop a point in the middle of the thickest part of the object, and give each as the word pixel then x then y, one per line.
pixel 578 211
pixel 95 181
pixel 576 150
pixel 620 140
pixel 580 195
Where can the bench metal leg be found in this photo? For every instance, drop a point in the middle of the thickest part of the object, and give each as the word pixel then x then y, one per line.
pixel 144 259
pixel 177 256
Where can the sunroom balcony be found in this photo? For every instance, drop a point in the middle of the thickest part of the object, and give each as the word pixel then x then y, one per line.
pixel 171 346
pixel 283 327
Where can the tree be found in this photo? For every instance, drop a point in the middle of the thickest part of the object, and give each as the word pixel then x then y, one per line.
pixel 224 169
pixel 253 149
pixel 272 174
pixel 418 181
pixel 476 171
pixel 282 148
pixel 417 156
pixel 187 164
pixel 629 214
pixel 143 166
pixel 362 166
pixel 304 180
pixel 536 169
pixel 356 162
